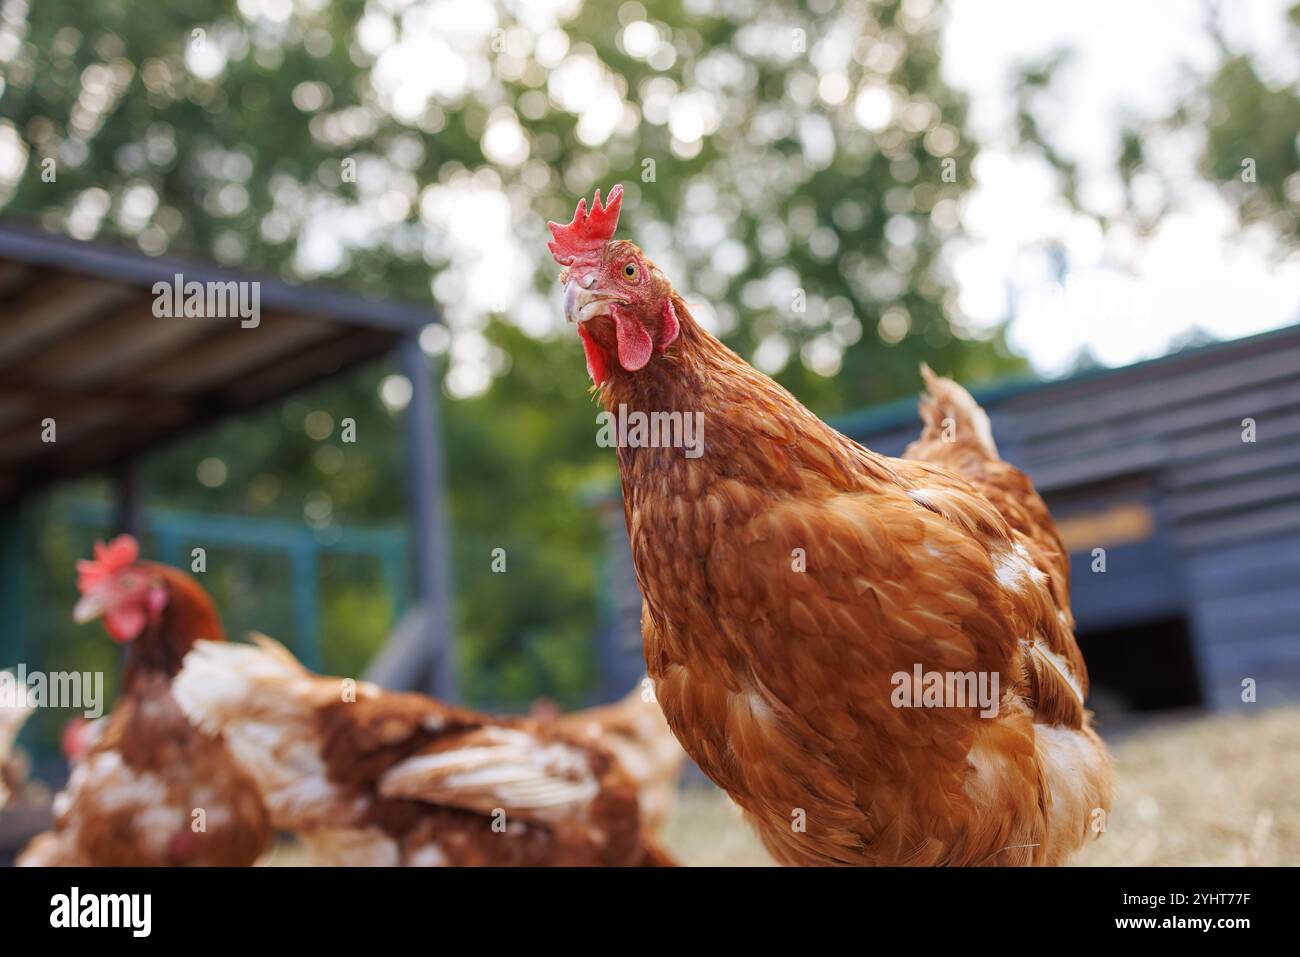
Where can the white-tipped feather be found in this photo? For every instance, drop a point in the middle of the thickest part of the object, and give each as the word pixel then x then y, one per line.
pixel 499 768
pixel 220 679
pixel 16 706
pixel 263 701
pixel 1057 664
pixel 635 730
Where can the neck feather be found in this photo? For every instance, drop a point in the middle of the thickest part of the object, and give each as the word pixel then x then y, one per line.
pixel 751 424
pixel 189 616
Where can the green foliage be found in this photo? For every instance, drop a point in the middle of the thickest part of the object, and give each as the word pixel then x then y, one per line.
pixel 1244 128
pixel 1252 145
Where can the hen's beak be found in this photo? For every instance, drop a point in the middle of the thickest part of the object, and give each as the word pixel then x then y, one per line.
pixel 582 303
pixel 92 605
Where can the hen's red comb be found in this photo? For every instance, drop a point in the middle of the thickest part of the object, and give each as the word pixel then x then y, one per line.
pixel 109 559
pixel 581 240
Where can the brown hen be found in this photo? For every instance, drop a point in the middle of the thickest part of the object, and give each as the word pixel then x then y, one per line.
pixel 150 789
pixel 796 583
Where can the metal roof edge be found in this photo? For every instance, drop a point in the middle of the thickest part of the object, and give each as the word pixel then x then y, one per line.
pixel 37 247
pixel 901 412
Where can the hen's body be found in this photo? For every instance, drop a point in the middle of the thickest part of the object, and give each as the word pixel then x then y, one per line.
pixel 789 574
pixel 153 790
pixel 365 776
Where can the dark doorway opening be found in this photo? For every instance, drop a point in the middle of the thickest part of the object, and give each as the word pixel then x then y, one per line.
pixel 1143 667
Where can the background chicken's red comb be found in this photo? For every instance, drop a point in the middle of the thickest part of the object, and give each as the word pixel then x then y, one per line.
pixel 582 239
pixel 109 559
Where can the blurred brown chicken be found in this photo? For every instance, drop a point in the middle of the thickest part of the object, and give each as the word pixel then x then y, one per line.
pixel 796 582
pixel 364 776
pixel 147 788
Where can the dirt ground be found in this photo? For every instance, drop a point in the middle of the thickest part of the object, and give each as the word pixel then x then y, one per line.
pixel 1190 790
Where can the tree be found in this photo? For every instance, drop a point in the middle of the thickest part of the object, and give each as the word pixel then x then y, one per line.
pixel 1241 125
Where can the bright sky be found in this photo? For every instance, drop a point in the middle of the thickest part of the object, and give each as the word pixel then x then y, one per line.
pixel 1126 300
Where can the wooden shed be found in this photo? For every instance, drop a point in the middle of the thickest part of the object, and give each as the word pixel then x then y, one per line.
pixel 1176 485
pixel 102 360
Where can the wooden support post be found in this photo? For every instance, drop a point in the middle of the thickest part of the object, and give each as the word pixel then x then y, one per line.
pixel 128 519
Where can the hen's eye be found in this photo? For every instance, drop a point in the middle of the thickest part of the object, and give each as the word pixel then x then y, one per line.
pixel 630 270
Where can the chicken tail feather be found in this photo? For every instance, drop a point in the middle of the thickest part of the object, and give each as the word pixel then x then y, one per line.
pixel 1055 688
pixel 949 413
